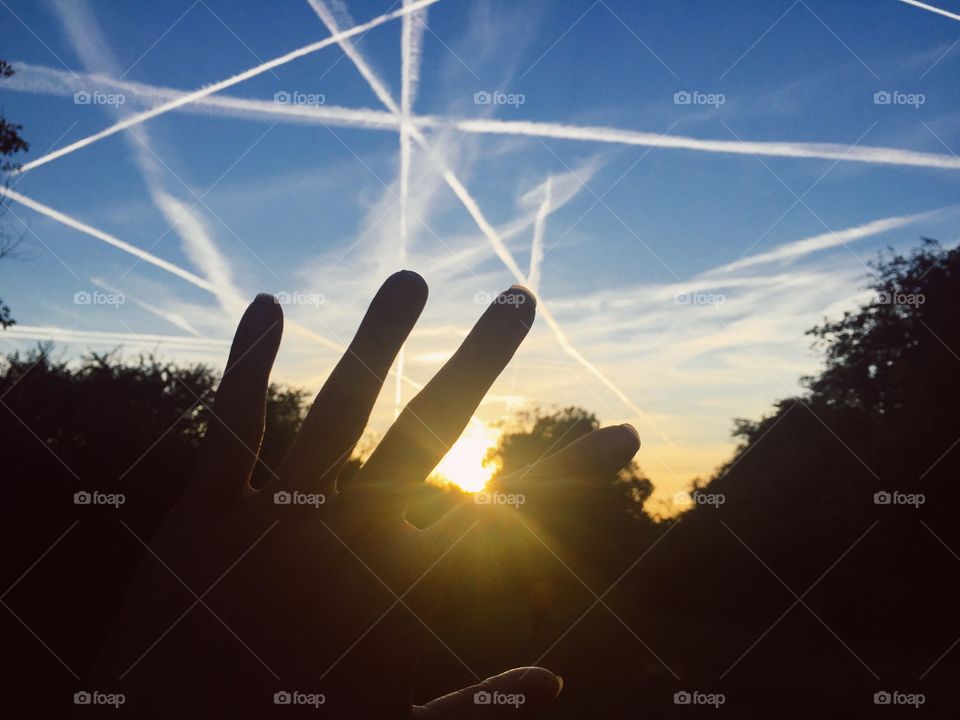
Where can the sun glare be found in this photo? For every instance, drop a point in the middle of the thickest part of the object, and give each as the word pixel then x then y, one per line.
pixel 463 465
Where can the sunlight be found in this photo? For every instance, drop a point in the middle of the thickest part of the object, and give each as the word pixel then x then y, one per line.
pixel 463 465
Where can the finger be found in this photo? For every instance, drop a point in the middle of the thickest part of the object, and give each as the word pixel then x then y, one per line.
pixel 436 417
pixel 600 453
pixel 342 408
pixel 520 692
pixel 235 426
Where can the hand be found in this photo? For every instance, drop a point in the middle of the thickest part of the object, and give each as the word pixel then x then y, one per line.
pixel 239 597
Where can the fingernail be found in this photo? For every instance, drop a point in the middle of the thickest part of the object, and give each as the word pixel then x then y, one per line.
pixel 632 429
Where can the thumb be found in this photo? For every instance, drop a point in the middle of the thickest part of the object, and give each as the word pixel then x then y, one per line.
pixel 520 692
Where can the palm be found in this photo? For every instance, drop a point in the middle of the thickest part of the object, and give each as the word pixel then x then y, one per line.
pixel 300 586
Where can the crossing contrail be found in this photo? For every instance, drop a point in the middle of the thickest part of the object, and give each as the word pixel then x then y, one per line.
pixel 499 246
pixel 539 225
pixel 33 78
pixel 290 325
pixel 223 84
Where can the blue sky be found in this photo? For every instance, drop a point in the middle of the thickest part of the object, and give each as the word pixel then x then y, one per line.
pixel 679 276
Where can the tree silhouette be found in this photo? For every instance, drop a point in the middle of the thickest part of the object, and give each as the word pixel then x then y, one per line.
pixel 11 143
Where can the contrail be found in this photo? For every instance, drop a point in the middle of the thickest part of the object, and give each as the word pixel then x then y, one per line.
pixel 499 246
pixel 931 8
pixel 52 332
pixel 223 84
pixel 410 41
pixel 536 249
pixel 147 257
pixel 172 318
pixel 109 239
pixel 799 248
pixel 332 19
pixel 46 80
pixel 826 151
pixel 93 50
pixel 53 81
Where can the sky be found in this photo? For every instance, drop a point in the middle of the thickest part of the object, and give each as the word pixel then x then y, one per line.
pixel 687 187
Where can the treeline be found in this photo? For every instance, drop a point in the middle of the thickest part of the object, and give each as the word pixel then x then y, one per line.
pixel 827 574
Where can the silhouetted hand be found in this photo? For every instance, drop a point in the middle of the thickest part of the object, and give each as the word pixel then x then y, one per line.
pixel 244 595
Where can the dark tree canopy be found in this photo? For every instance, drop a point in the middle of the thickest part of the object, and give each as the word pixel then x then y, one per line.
pixel 11 143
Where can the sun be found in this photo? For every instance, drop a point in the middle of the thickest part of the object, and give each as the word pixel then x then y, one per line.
pixel 463 465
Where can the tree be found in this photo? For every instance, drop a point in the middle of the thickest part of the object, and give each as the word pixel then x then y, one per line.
pixel 11 143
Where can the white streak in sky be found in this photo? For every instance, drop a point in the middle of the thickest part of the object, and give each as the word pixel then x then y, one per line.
pixel 411 37
pixel 289 325
pixel 143 255
pixel 58 334
pixel 499 246
pixel 53 81
pixel 173 318
pixel 931 8
pixel 798 248
pixel 536 249
pixel 94 52
pixel 826 151
pixel 49 80
pixel 223 84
